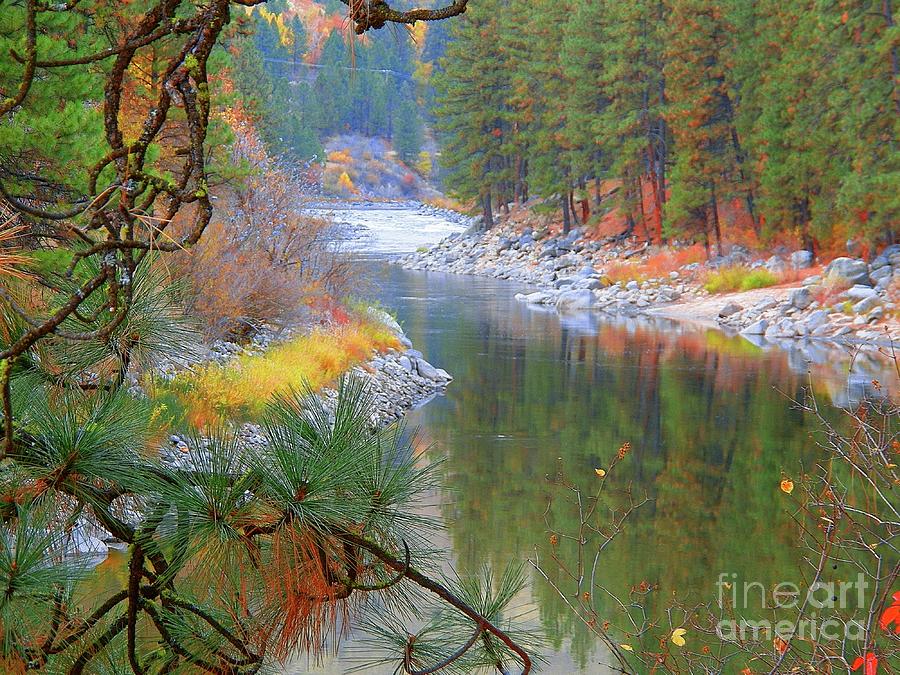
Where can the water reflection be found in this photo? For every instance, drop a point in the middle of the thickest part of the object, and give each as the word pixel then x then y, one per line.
pixel 708 416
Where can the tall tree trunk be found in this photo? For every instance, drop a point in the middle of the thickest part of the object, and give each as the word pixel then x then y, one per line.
pixel 564 203
pixel 714 212
pixel 745 181
pixel 598 198
pixel 640 197
pixel 888 13
pixel 486 210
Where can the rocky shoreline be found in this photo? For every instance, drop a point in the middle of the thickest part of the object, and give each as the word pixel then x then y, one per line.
pixel 849 302
pixel 398 381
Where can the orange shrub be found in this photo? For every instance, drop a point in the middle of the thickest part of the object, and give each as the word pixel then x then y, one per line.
pixel 340 156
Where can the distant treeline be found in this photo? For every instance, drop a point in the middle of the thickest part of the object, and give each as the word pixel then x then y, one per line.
pixel 366 87
pixel 771 116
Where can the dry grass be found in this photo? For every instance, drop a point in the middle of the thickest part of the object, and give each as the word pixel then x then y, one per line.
pixel 657 265
pixel 242 388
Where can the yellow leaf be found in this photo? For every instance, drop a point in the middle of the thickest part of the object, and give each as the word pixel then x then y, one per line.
pixel 678 637
pixel 627 648
pixel 787 486
pixel 600 472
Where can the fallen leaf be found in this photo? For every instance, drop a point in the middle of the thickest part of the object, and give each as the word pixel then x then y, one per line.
pixel 870 662
pixel 627 648
pixel 787 486
pixel 678 637
pixel 891 615
pixel 780 645
pixel 600 472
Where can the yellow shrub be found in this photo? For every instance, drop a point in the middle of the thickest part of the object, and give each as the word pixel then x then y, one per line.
pixel 241 388
pixel 346 184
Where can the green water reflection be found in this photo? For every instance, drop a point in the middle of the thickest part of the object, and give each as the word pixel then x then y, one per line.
pixel 708 417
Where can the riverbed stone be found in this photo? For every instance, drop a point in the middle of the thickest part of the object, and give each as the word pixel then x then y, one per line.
pixel 801 298
pixel 852 270
pixel 801 259
pixel 880 273
pixel 859 292
pixel 729 309
pixel 426 370
pixel 816 319
pixel 575 299
pixel 756 328
pixel 866 305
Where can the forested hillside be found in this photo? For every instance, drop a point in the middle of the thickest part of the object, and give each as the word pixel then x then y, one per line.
pixel 308 79
pixel 696 118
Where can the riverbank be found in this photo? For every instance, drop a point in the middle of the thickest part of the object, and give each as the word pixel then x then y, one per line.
pixel 847 301
pixel 397 377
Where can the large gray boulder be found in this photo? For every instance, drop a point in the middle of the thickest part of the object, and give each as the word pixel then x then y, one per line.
pixel 802 259
pixel 775 265
pixel 576 299
pixel 729 309
pixel 756 328
pixel 801 298
pixel 848 270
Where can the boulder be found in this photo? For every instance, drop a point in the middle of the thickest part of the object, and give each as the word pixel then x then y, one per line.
pixel 880 273
pixel 756 328
pixel 801 259
pixel 848 270
pixel 859 292
pixel 776 265
pixel 866 305
pixel 428 371
pixel 729 309
pixel 632 286
pixel 406 363
pixel 816 320
pixel 576 299
pixel 801 298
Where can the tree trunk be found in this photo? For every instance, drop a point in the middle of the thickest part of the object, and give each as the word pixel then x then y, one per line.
pixel 564 203
pixel 486 210
pixel 714 212
pixel 598 198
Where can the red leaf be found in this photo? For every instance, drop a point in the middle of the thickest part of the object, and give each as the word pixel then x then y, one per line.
pixel 891 615
pixel 870 662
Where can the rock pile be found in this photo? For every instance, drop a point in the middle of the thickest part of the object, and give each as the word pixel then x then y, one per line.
pixel 847 301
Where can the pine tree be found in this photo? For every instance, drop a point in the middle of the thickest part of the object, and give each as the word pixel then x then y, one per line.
pixel 408 129
pixel 472 108
pixel 631 128
pixel 582 57
pixel 701 115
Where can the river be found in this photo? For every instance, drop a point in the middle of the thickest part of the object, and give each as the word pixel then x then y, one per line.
pixel 709 419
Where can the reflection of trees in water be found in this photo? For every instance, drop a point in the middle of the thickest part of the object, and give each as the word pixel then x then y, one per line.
pixel 710 434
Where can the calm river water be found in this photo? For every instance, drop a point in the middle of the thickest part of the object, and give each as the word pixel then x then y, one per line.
pixel 709 420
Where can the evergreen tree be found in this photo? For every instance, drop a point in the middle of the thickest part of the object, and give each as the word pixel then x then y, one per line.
pixel 408 128
pixel 472 109
pixel 631 129
pixel 700 113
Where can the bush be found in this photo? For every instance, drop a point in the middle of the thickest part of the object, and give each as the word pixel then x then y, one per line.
pixel 738 278
pixel 243 388
pixel 264 261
